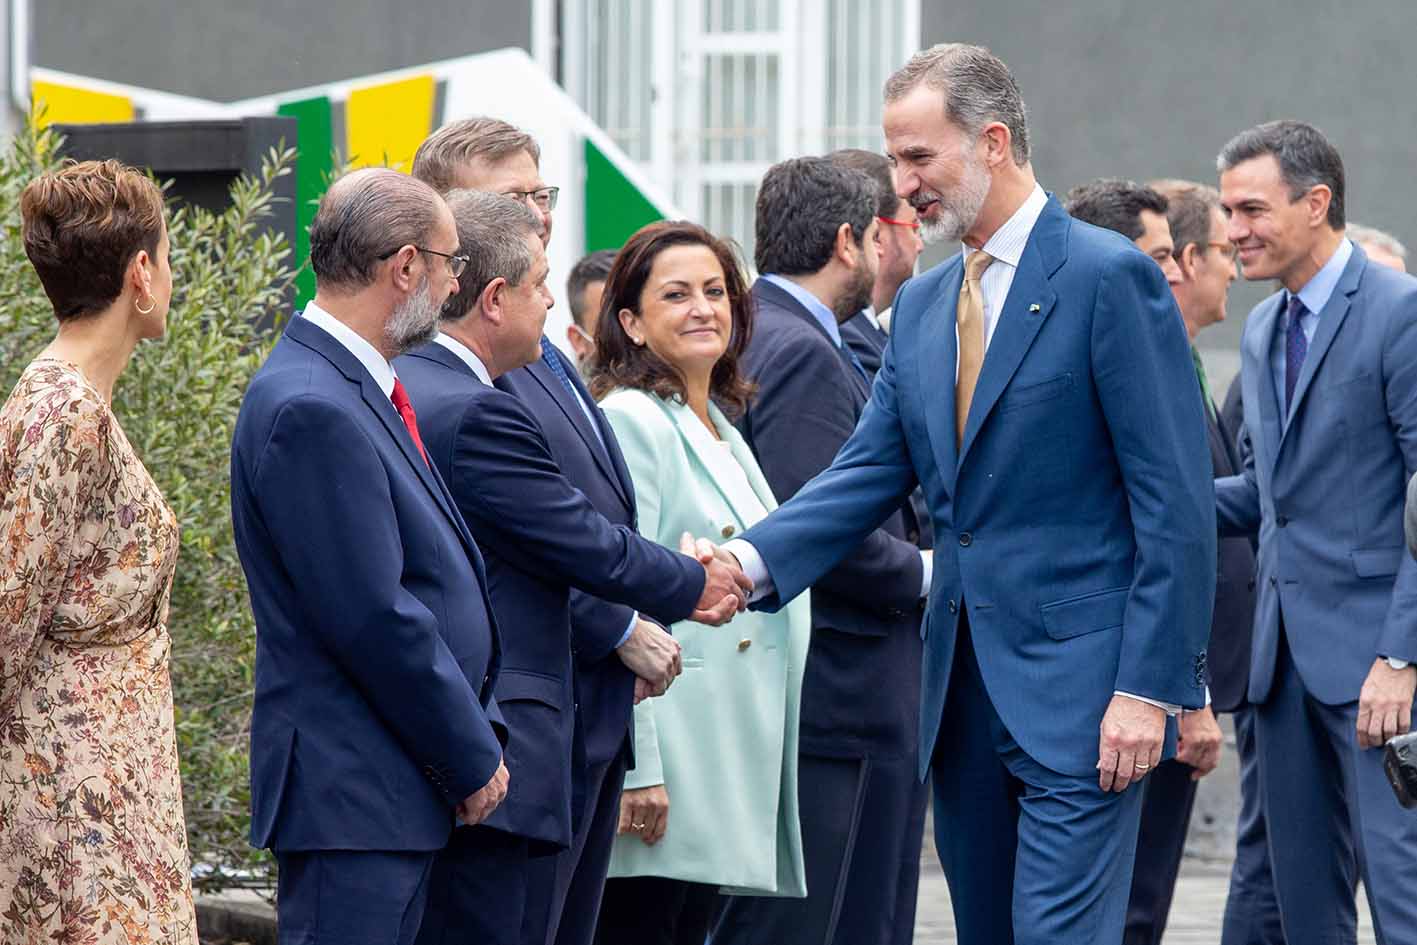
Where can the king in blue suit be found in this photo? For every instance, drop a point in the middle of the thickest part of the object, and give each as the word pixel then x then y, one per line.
pixel 1329 378
pixel 376 648
pixel 1074 565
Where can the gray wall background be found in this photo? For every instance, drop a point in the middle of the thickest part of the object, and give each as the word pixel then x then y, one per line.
pixel 225 50
pixel 1142 90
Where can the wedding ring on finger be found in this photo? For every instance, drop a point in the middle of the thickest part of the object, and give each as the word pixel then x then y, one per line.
pixel 1141 767
pixel 637 826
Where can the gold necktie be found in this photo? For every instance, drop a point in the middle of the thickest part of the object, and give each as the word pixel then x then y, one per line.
pixel 969 324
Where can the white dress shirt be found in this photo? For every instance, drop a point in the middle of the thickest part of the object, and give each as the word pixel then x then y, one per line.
pixel 1006 246
pixel 375 363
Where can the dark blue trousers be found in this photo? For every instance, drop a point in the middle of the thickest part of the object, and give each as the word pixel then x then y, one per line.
pixel 1168 796
pixel 563 900
pixel 339 897
pixel 1333 819
pixel 477 892
pixel 1251 909
pixel 1033 857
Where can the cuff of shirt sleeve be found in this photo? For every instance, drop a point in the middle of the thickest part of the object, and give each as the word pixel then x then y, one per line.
pixel 927 573
pixel 752 564
pixel 1169 708
pixel 629 629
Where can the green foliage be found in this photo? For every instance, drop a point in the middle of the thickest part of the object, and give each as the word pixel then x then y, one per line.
pixel 178 402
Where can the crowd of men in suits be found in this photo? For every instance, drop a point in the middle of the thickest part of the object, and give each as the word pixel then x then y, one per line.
pixel 455 612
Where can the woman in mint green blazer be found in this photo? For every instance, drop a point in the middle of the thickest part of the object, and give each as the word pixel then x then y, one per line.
pixel 720 747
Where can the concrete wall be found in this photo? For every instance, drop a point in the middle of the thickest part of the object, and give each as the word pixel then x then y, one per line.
pixel 224 50
pixel 1141 90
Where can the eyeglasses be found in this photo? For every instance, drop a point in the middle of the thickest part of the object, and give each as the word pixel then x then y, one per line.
pixel 456 263
pixel 913 224
pixel 1228 250
pixel 544 198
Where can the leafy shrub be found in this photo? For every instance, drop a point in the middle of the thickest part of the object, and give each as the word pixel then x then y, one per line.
pixel 177 402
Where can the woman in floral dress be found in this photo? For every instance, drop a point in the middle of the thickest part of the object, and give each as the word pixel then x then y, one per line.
pixel 93 847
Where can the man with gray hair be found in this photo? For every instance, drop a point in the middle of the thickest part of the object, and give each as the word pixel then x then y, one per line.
pixel 544 541
pixel 376 649
pixel 1070 489
pixel 1329 373
pixel 1381 247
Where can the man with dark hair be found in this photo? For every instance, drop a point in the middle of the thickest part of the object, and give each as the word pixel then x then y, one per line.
pixel 620 656
pixel 542 538
pixel 583 289
pixel 1329 373
pixel 1131 209
pixel 1204 267
pixel 1073 595
pixel 376 648
pixel 862 804
pixel 898 238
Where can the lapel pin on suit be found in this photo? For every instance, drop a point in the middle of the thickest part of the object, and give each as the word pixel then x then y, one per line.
pixel 1035 307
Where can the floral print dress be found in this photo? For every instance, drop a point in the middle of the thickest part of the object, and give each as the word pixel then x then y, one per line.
pixel 93 848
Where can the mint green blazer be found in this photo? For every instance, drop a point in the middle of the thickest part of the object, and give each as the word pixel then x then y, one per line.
pixel 723 740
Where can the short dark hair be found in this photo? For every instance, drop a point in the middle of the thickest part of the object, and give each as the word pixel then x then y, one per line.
pixel 443 153
pixel 619 362
pixel 977 88
pixel 363 217
pixel 594 267
pixel 802 202
pixel 82 225
pixel 876 167
pixel 1114 204
pixel 1189 209
pixel 492 232
pixel 1305 157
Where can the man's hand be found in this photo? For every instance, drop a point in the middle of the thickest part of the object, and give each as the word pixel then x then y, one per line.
pixel 1130 746
pixel 1385 704
pixel 1200 742
pixel 645 811
pixel 726 587
pixel 653 656
pixel 478 806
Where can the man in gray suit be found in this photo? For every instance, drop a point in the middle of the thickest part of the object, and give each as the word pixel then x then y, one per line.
pixel 1329 374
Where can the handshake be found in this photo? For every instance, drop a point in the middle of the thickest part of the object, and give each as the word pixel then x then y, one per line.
pixel 651 653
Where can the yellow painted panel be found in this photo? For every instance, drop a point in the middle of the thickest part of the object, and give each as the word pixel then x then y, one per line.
pixel 387 123
pixel 65 103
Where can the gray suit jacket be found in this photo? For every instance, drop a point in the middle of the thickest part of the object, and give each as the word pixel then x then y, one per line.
pixel 1325 488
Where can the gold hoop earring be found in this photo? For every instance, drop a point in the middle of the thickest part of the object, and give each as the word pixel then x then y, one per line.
pixel 149 309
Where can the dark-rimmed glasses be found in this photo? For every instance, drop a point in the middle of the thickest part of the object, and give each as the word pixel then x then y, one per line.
pixel 457 262
pixel 543 197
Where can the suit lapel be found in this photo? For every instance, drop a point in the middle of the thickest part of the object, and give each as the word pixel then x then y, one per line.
pixel 1029 300
pixel 577 418
pixel 938 354
pixel 700 442
pixel 1261 343
pixel 1330 321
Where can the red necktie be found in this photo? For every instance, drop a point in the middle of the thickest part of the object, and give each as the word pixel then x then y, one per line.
pixel 410 420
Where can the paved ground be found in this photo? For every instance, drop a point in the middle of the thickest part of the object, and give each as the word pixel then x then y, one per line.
pixel 1195 913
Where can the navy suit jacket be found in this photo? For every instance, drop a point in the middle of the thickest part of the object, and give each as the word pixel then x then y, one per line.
pixel 1076 520
pixel 1231 629
pixel 541 536
pixel 595 466
pixel 1325 487
pixel 860 691
pixel 376 649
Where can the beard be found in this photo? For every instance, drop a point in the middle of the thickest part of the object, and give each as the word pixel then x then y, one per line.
pixel 858 291
pixel 414 321
pixel 955 213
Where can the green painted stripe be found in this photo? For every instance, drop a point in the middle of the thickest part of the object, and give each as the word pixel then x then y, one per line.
pixel 614 207
pixel 312 173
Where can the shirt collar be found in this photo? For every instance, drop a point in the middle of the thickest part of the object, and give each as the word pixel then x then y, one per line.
pixel 378 367
pixel 1008 241
pixel 871 316
pixel 811 303
pixel 1319 289
pixel 466 355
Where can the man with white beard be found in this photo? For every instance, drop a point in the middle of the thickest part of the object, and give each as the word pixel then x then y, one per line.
pixel 376 647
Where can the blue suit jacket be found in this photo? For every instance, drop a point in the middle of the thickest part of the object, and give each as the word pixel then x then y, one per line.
pixel 1076 521
pixel 541 536
pixel 595 466
pixel 1325 489
pixel 866 611
pixel 376 649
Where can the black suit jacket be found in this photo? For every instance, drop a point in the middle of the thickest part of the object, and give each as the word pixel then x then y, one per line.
pixel 594 465
pixel 861 690
pixel 541 537
pixel 1232 627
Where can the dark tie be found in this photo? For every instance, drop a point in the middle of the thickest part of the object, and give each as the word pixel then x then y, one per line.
pixel 1296 348
pixel 410 420
pixel 552 357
